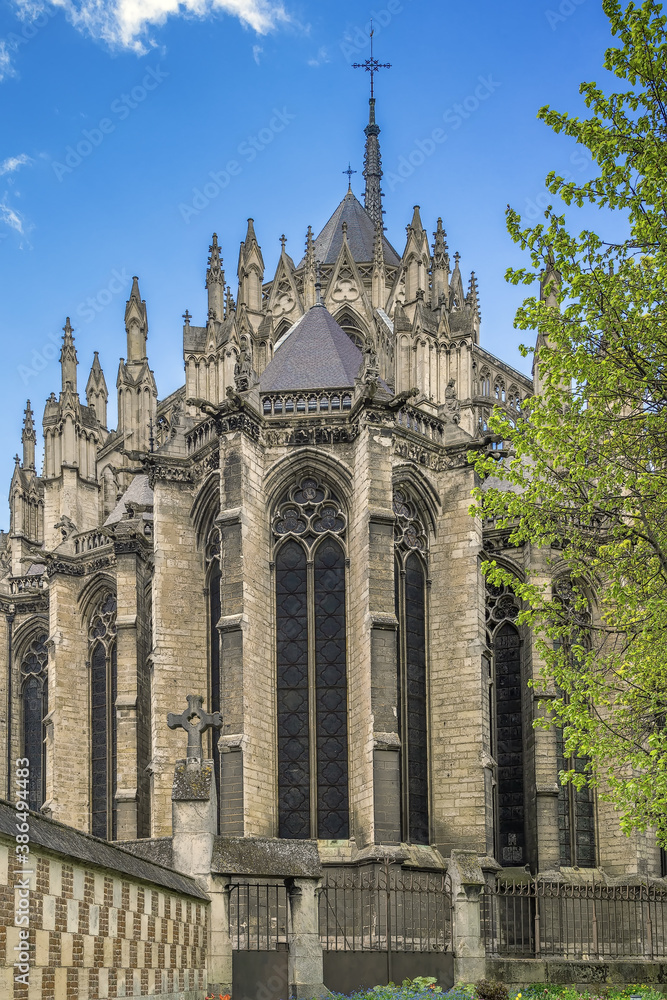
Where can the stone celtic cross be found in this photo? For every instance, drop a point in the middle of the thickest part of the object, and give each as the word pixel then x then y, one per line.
pixel 195 721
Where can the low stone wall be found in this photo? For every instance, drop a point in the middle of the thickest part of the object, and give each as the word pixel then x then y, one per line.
pixel 522 972
pixel 94 921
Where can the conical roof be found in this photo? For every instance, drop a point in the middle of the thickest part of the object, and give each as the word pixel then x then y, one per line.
pixel 315 354
pixel 360 235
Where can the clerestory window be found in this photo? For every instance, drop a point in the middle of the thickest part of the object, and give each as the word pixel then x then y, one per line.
pixel 35 705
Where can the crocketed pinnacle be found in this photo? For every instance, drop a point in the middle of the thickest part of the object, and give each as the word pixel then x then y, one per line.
pixel 373 167
pixel 214 272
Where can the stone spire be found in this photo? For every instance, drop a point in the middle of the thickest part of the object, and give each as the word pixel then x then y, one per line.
pixel 372 159
pixel 68 361
pixel 29 439
pixel 378 287
pixel 440 264
pixel 215 280
pixel 96 391
pixel 251 271
pixel 309 270
pixel 136 324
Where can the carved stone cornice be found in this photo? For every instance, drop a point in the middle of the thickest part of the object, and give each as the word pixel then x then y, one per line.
pixel 58 566
pixel 16 605
pixel 323 434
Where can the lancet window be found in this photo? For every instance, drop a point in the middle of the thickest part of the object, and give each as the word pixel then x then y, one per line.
pixel 576 807
pixel 103 693
pixel 34 698
pixel 411 548
pixel 214 579
pixel 309 527
pixel 506 710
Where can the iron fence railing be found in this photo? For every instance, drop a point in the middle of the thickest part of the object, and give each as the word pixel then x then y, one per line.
pixel 258 915
pixel 585 921
pixel 384 908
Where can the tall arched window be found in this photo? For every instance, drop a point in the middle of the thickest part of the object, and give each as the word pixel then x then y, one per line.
pixel 34 698
pixel 507 725
pixel 214 612
pixel 410 582
pixel 309 525
pixel 576 807
pixel 103 693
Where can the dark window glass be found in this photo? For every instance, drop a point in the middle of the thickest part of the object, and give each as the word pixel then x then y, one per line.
pixel 99 741
pixel 34 709
pixel 331 692
pixel 509 730
pixel 214 618
pixel 415 726
pixel 292 665
pixel 114 741
pixel 576 814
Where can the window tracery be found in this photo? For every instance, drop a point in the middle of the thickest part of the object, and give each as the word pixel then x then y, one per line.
pixel 411 546
pixel 309 529
pixel 34 697
pixel 409 530
pixel 104 690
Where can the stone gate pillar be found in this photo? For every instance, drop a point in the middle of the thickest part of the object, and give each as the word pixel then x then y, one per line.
pixel 305 959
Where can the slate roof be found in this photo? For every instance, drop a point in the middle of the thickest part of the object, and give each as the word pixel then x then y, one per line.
pixel 61 839
pixel 360 235
pixel 138 491
pixel 315 354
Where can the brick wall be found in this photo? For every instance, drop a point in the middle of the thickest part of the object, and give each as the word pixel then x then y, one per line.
pixel 96 933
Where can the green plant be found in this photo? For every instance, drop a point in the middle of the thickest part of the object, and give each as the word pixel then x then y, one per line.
pixel 489 989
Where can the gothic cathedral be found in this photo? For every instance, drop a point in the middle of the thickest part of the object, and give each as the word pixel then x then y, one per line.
pixel 287 536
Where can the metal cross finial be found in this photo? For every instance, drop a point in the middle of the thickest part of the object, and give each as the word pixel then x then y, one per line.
pixel 371 65
pixel 349 173
pixel 187 317
pixel 283 241
pixel 195 721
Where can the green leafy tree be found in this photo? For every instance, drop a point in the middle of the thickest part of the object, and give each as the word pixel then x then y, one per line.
pixel 585 470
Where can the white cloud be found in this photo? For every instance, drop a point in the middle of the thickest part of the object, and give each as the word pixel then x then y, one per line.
pixel 10 216
pixel 256 52
pixel 321 57
pixel 6 68
pixel 13 163
pixel 125 23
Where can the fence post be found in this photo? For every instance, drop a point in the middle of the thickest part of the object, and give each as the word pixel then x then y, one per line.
pixel 468 943
pixel 220 954
pixel 305 957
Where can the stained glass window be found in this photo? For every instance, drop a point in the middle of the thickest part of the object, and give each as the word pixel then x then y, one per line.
pixel 415 701
pixel 311 663
pixel 410 537
pixel 35 707
pixel 576 814
pixel 214 612
pixel 509 746
pixel 103 688
pixel 331 685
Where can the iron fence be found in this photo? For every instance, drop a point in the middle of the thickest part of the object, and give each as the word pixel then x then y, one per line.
pixel 258 915
pixel 536 919
pixel 382 908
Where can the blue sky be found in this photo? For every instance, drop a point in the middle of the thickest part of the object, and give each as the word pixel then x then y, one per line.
pixel 113 119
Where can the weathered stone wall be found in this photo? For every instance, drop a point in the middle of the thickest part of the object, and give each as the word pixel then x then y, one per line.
pixel 519 972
